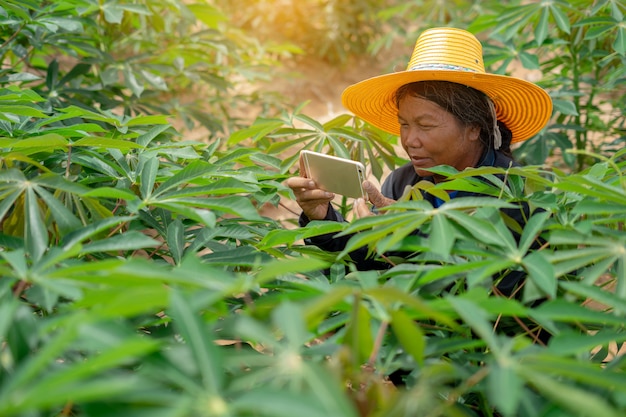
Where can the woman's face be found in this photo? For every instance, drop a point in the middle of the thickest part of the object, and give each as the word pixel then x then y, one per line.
pixel 431 136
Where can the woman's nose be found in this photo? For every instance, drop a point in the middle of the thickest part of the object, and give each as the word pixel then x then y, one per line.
pixel 411 139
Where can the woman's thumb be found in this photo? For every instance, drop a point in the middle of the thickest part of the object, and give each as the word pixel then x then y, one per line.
pixel 375 196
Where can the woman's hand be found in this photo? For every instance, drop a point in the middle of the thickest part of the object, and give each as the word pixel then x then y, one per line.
pixel 375 197
pixel 313 200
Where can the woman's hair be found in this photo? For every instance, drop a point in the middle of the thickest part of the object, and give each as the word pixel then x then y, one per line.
pixel 468 105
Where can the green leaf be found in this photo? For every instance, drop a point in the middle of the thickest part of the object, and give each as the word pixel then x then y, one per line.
pixel 409 334
pixel 93 229
pixel 155 119
pixel 175 240
pixel 108 192
pixel 478 319
pixel 113 13
pixel 597 294
pixel 560 310
pixel 266 401
pixel 289 236
pixel 532 230
pixel 36 232
pixel 149 167
pixel 505 387
pixel 358 336
pixel 207 14
pixel 199 343
pixel 49 142
pixel 561 19
pixel 570 343
pixel 34 366
pixel 128 241
pixel 529 61
pixel 541 30
pixel 390 297
pixel 541 272
pixel 580 402
pixel 20 110
pixel 146 138
pixel 316 310
pixel 620 41
pixel 280 267
pixel 565 107
pixel 97 142
pixel 196 169
pixel 288 318
pixel 260 128
pixel 65 220
pixel 442 235
pixel 131 82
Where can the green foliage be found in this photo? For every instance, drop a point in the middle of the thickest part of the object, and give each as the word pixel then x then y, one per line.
pixel 333 31
pixel 140 274
pixel 576 50
pixel 149 56
pixel 580 50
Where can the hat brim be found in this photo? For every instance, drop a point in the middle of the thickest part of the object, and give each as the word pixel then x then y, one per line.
pixel 522 106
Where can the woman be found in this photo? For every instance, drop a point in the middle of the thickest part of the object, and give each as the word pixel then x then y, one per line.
pixel 447 111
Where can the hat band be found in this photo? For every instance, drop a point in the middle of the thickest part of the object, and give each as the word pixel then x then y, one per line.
pixel 440 67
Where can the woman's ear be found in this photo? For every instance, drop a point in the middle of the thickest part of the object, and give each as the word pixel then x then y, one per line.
pixel 473 132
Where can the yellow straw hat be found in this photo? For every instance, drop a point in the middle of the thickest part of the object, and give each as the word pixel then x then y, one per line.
pixel 455 55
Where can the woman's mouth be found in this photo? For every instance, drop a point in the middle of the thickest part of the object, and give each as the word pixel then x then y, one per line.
pixel 419 161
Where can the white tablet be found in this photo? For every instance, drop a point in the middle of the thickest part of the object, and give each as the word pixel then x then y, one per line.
pixel 334 174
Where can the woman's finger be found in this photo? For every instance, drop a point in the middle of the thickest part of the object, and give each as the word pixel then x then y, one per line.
pixel 361 209
pixel 375 196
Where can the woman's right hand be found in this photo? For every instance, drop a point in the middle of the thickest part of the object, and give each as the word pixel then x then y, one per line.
pixel 312 199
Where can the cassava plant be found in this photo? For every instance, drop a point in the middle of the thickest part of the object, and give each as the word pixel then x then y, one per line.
pixel 140 276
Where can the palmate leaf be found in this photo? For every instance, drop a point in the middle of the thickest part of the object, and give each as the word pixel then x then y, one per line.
pixel 87 380
pixel 35 365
